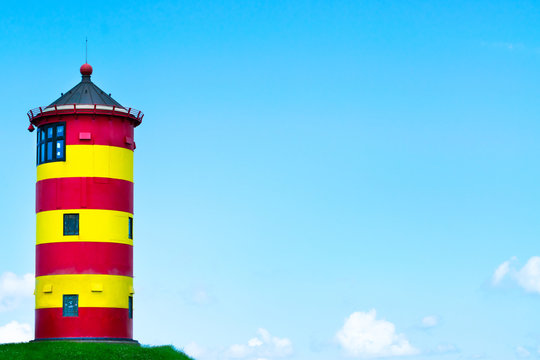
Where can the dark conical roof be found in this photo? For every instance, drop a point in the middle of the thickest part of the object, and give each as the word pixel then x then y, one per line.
pixel 85 92
pixel 85 98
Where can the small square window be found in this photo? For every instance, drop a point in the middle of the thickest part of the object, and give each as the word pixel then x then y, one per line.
pixel 71 306
pixel 130 230
pixel 71 224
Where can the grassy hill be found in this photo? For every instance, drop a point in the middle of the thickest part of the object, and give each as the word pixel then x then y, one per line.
pixel 87 351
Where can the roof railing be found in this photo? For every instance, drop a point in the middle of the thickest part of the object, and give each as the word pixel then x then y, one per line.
pixel 85 109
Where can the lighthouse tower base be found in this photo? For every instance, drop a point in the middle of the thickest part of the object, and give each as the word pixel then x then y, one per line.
pixel 92 340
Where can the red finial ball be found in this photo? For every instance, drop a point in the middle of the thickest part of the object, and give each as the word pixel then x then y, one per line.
pixel 86 69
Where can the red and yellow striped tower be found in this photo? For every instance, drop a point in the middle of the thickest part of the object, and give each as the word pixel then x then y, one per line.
pixel 84 205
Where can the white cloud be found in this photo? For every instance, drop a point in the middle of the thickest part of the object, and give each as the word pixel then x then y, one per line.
pixel 194 350
pixel 197 295
pixel 522 352
pixel 239 351
pixel 528 277
pixel 262 347
pixel 446 348
pixel 200 297
pixel 364 336
pixel 430 321
pixel 15 332
pixel 500 272
pixel 478 356
pixel 255 342
pixel 13 289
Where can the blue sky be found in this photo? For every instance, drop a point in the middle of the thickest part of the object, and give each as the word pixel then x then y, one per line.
pixel 308 175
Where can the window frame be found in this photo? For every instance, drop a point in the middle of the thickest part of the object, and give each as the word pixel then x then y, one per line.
pixel 43 142
pixel 130 307
pixel 66 311
pixel 66 217
pixel 130 228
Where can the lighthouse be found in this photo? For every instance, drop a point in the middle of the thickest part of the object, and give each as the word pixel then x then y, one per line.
pixel 84 215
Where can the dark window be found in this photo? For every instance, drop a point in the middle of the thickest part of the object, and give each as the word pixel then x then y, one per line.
pixel 131 307
pixel 37 145
pixel 49 151
pixel 71 224
pixel 71 305
pixel 51 143
pixel 130 231
pixel 60 149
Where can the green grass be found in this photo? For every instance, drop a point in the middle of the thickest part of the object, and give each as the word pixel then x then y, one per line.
pixel 87 351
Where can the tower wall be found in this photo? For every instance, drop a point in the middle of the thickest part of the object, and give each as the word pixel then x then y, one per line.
pixel 87 275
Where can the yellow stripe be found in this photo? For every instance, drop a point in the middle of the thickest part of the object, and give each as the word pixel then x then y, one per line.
pixel 90 161
pixel 94 225
pixel 115 290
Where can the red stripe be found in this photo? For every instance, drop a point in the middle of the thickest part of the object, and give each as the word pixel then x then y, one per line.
pixel 91 322
pixel 84 193
pixel 103 130
pixel 84 258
